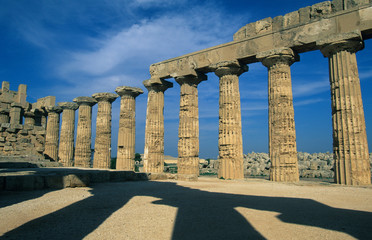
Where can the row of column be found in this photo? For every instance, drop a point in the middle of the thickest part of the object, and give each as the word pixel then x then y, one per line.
pixel 80 155
pixel 349 133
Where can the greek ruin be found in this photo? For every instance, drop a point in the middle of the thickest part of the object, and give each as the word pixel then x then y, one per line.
pixel 336 28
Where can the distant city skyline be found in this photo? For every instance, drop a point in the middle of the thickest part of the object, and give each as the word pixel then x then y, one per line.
pixel 72 48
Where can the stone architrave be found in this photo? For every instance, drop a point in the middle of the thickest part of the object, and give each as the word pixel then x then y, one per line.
pixel 15 113
pixel 230 141
pixel 154 134
pixel 188 131
pixel 350 146
pixel 83 144
pixel 127 127
pixel 4 116
pixel 52 133
pixel 282 132
pixel 102 146
pixel 66 142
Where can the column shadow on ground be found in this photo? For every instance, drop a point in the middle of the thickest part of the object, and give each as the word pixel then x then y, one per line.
pixel 201 214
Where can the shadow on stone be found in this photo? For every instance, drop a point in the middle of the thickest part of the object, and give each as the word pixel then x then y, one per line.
pixel 201 214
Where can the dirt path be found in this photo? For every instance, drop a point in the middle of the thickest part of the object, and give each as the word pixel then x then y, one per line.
pixel 207 209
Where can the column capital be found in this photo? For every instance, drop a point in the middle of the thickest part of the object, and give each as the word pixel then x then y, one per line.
pixel 132 91
pixel 68 105
pixel 279 55
pixel 29 114
pixel 16 105
pixel 229 68
pixel 53 109
pixel 351 42
pixel 105 97
pixel 157 84
pixel 191 79
pixel 89 101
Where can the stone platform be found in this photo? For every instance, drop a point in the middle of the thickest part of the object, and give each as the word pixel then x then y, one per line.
pixel 56 178
pixel 21 179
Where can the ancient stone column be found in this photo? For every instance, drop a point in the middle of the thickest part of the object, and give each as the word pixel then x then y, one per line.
pixel 230 141
pixel 52 133
pixel 15 113
pixel 66 142
pixel 282 132
pixel 188 131
pixel 127 127
pixel 154 134
pixel 83 151
pixel 350 147
pixel 29 118
pixel 102 146
pixel 4 116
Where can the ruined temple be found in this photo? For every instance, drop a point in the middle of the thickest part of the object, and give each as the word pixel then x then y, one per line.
pixel 337 28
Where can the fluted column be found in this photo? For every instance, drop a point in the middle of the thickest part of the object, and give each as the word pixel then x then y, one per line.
pixel 127 127
pixel 52 133
pixel 4 116
pixel 83 144
pixel 15 113
pixel 102 146
pixel 230 141
pixel 188 131
pixel 154 134
pixel 66 142
pixel 282 132
pixel 350 146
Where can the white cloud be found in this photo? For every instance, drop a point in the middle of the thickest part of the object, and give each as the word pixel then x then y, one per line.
pixel 310 88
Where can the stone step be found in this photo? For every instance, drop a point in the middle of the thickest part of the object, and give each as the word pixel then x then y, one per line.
pixel 26 179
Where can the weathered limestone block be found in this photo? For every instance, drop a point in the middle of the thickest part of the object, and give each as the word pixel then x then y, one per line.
pixel 102 146
pixel 154 134
pixel 29 118
pixel 188 132
pixel 4 115
pixel 282 132
pixel 66 142
pixel 15 113
pixel 230 141
pixel 22 95
pixel 83 150
pixel 350 146
pixel 127 127
pixel 52 133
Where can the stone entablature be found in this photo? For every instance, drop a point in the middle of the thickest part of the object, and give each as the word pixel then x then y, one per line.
pixel 357 16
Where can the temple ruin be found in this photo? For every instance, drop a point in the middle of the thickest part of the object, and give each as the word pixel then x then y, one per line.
pixel 336 28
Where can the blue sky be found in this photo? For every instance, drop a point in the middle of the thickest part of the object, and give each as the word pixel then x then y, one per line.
pixel 69 48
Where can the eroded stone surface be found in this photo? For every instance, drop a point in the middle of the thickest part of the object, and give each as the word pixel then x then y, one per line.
pixel 52 133
pixel 153 161
pixel 66 143
pixel 188 131
pixel 83 150
pixel 282 133
pixel 350 146
pixel 102 146
pixel 127 127
pixel 230 141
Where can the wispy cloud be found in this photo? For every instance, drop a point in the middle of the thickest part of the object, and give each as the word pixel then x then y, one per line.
pixel 310 88
pixel 308 102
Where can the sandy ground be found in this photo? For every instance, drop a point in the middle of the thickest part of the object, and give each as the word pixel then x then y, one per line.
pixel 207 209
